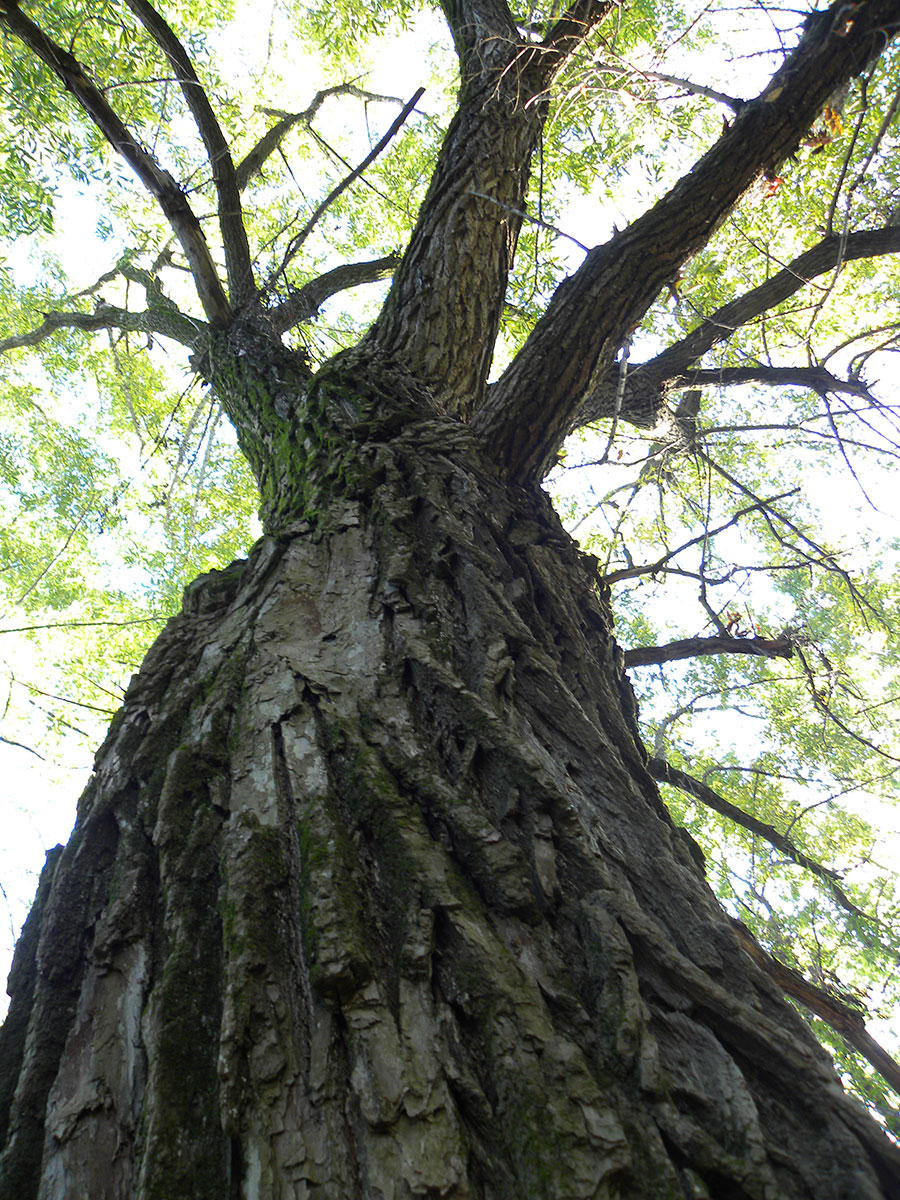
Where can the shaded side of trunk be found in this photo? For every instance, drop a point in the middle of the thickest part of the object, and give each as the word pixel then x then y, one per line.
pixel 371 895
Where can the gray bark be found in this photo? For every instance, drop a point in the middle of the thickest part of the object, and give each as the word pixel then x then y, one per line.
pixel 371 895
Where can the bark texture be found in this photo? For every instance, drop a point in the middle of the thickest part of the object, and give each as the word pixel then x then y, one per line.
pixel 371 895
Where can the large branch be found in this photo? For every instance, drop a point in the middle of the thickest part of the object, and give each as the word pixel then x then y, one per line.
pixel 665 773
pixel 647 383
pixel 441 318
pixel 306 300
pixel 158 182
pixel 177 326
pixel 238 265
pixel 840 1016
pixel 700 647
pixel 536 402
pixel 817 379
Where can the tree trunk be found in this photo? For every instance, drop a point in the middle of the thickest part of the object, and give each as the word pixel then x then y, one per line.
pixel 371 894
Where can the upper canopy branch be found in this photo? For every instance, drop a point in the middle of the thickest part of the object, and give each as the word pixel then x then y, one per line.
pixel 538 399
pixel 158 182
pixel 238 265
pixel 648 383
pixel 256 157
pixel 299 238
pixel 573 26
pixel 483 35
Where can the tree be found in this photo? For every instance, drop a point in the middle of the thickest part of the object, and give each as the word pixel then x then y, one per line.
pixel 372 892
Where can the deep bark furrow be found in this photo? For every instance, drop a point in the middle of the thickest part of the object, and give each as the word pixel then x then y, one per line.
pixel 442 315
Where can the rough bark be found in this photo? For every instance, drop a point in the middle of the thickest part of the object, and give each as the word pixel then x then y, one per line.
pixel 372 895
pixel 442 315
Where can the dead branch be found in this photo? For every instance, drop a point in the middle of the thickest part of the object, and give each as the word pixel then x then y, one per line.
pixel 817 379
pixel 633 572
pixel 699 647
pixel 686 85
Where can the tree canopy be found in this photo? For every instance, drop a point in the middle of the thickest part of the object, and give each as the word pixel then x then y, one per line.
pixel 714 188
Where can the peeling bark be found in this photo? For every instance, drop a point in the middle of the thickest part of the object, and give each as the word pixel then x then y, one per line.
pixel 371 894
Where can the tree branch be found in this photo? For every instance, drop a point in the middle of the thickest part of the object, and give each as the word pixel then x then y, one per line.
pixel 571 29
pixel 299 238
pixel 699 647
pixel 238 265
pixel 255 159
pixel 687 85
pixel 664 772
pixel 442 315
pixel 817 379
pixel 813 552
pixel 706 536
pixel 158 182
pixel 836 1013
pixel 166 323
pixel 537 400
pixel 303 303
pixel 649 382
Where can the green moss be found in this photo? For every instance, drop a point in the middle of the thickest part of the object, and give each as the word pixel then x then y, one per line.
pixel 185 1148
pixel 335 901
pixel 253 896
pixel 537 1150
pixel 305 440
